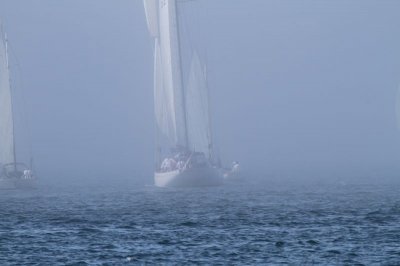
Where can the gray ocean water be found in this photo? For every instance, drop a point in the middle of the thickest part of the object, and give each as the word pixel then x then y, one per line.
pixel 245 223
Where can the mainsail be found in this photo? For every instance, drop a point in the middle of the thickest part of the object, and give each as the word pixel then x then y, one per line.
pixel 181 108
pixel 7 154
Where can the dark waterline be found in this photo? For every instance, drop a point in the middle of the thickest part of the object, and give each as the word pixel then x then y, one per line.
pixel 239 223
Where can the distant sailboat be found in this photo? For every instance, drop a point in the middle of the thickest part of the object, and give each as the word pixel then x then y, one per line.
pixel 185 154
pixel 13 174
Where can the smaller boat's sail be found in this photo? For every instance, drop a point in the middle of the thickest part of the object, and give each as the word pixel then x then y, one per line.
pixel 6 117
pixel 197 107
pixel 151 9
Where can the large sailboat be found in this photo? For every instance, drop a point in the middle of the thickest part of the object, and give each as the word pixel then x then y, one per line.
pixel 184 156
pixel 13 174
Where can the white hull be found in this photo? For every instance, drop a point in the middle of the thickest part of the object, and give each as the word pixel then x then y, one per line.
pixel 17 183
pixel 192 177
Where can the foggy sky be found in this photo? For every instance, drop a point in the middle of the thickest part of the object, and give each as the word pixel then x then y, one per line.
pixel 297 87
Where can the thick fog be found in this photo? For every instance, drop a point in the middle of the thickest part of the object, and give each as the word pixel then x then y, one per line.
pixel 298 88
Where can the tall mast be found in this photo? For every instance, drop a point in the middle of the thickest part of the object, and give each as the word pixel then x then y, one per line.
pixel 11 100
pixel 181 74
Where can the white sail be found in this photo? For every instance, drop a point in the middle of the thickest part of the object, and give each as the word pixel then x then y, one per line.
pixel 171 67
pixel 151 9
pixel 6 117
pixel 197 106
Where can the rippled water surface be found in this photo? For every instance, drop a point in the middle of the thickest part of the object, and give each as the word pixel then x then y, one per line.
pixel 237 223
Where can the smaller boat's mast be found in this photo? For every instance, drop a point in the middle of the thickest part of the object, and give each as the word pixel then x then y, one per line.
pixel 210 140
pixel 11 100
